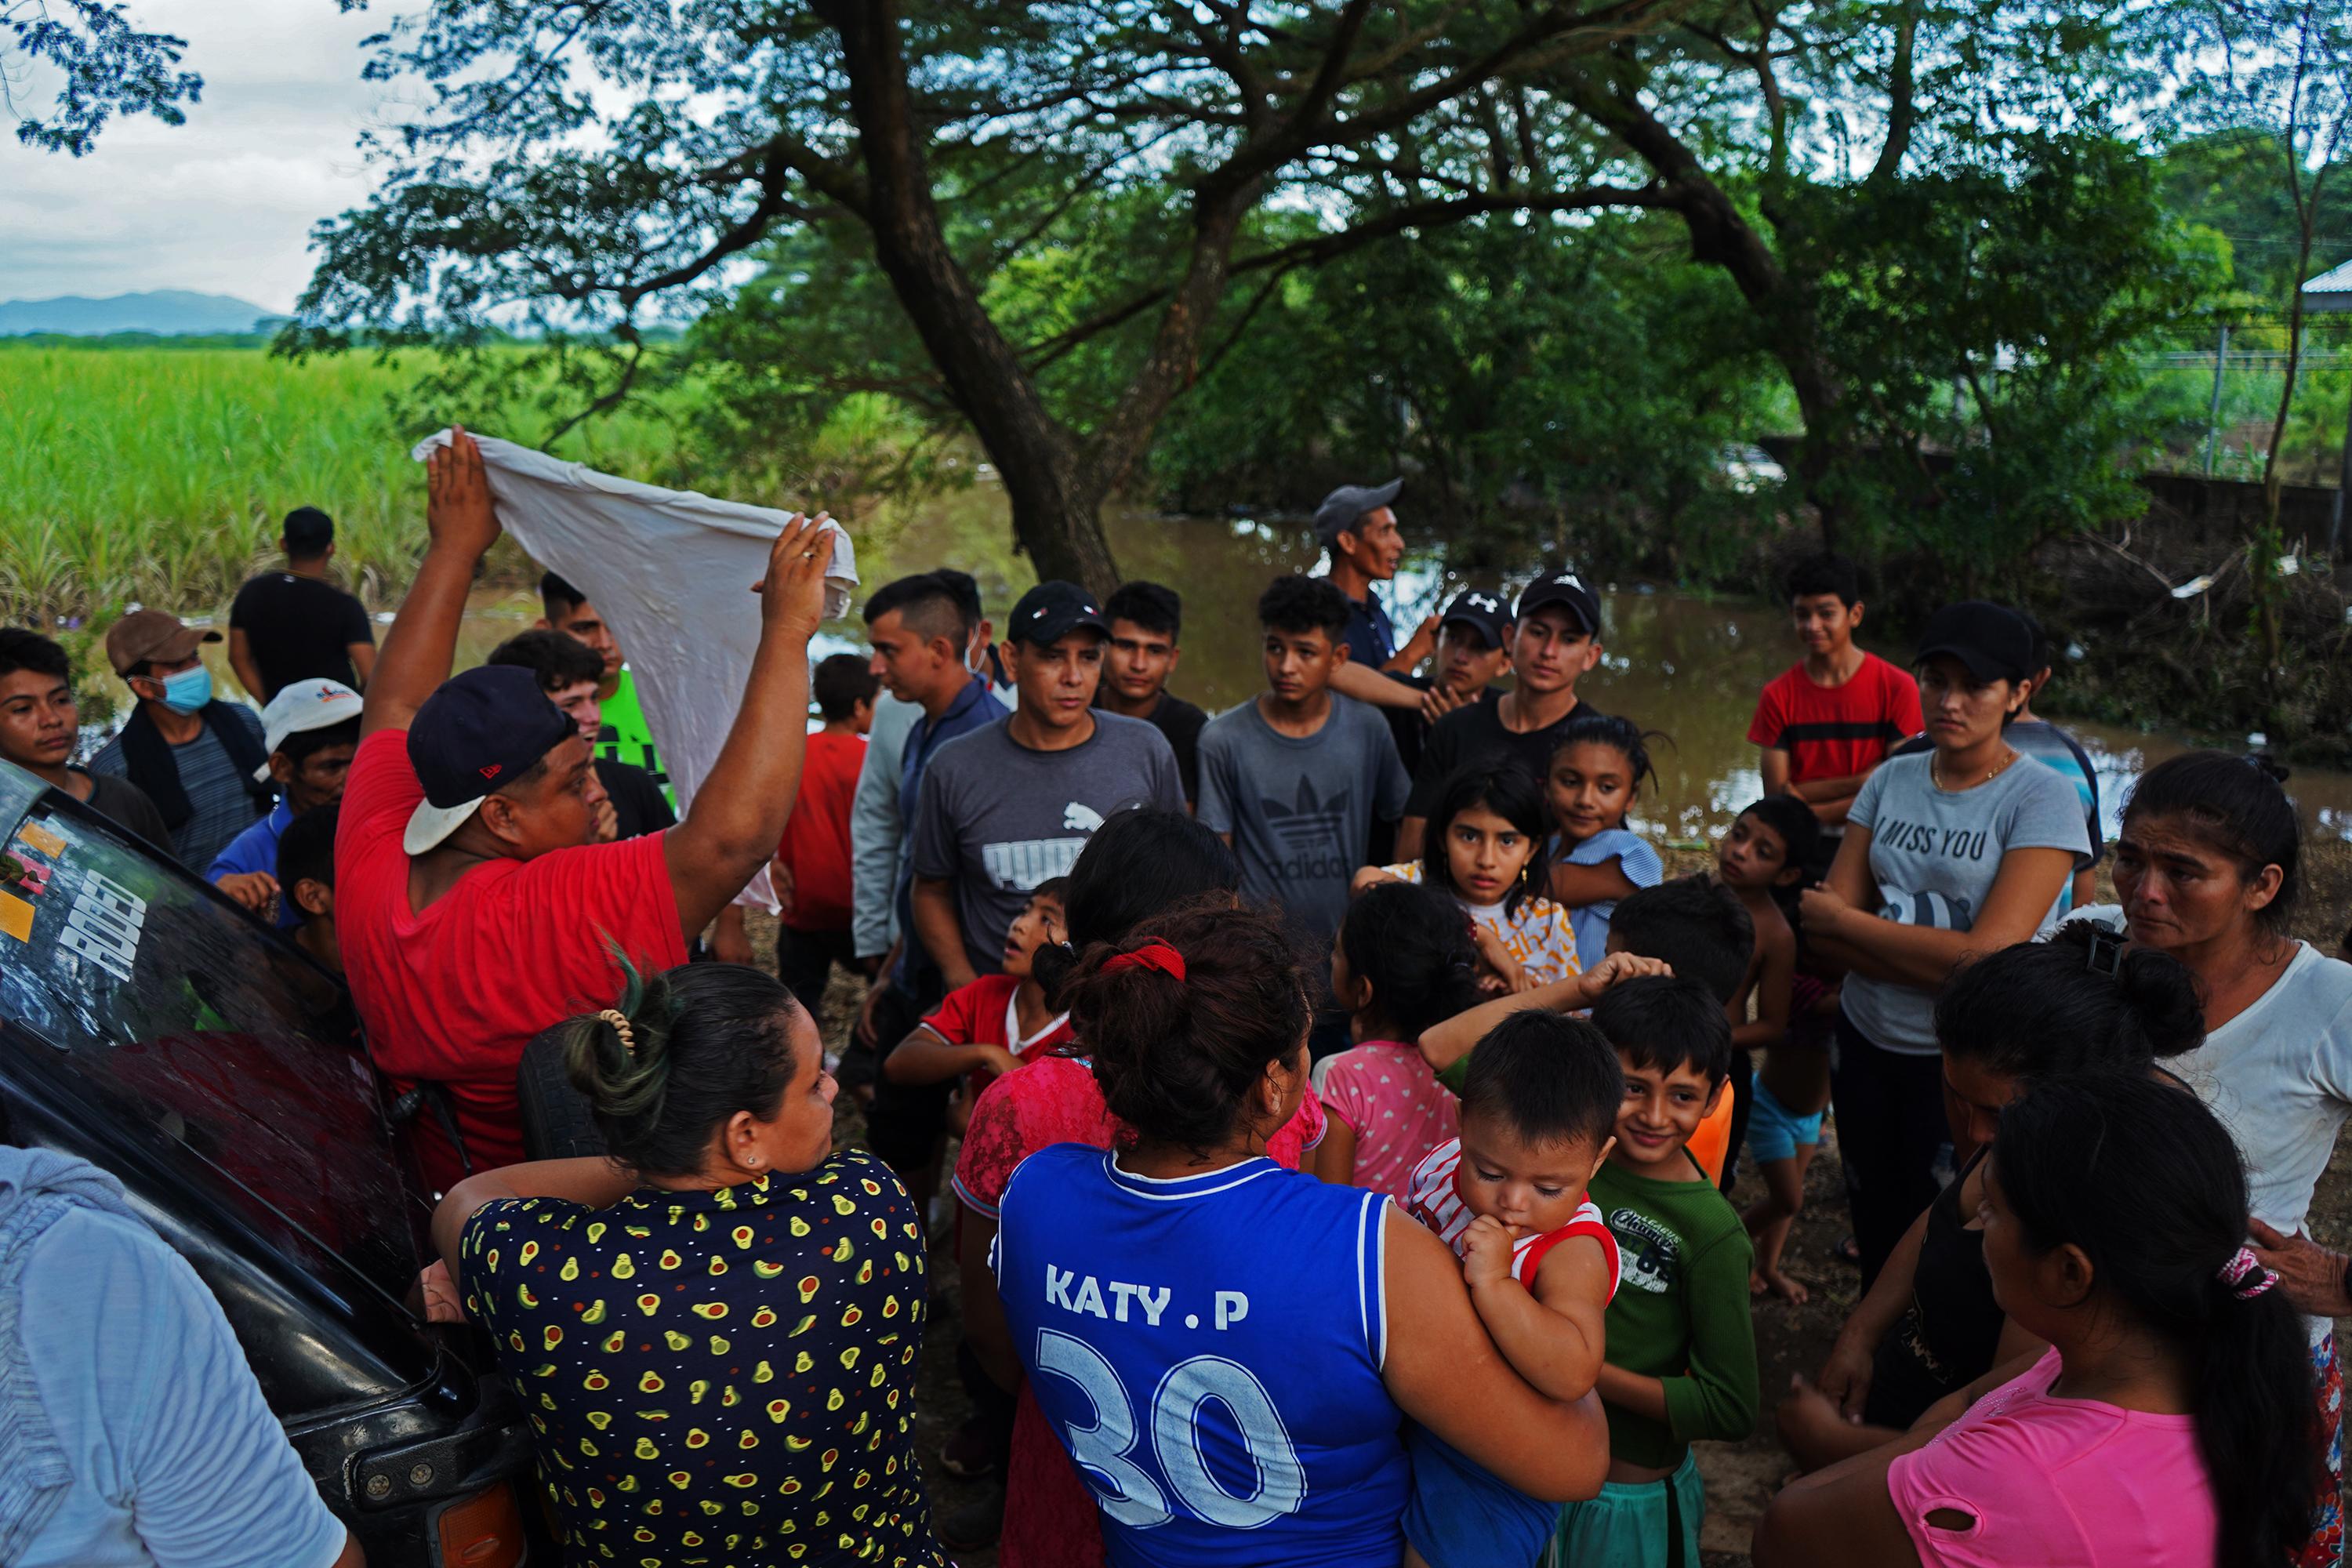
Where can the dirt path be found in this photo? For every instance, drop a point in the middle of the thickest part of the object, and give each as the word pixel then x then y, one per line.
pixel 1741 1477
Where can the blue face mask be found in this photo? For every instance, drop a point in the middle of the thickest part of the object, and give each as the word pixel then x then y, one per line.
pixel 187 690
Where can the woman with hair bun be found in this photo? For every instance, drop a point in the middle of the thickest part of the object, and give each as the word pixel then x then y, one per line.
pixel 1227 1347
pixel 2168 1423
pixel 1928 1325
pixel 2208 869
pixel 715 1330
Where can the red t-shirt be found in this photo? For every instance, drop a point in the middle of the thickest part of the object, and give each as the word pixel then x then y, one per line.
pixel 453 995
pixel 980 1014
pixel 816 835
pixel 1834 731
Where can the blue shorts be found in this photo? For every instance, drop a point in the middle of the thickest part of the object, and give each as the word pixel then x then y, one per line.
pixel 1647 1524
pixel 1462 1516
pixel 1773 1130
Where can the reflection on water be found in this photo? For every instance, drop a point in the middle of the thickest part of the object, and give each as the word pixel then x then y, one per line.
pixel 1687 665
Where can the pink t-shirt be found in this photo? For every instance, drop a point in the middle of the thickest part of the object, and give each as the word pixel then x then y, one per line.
pixel 1397 1109
pixel 2058 1481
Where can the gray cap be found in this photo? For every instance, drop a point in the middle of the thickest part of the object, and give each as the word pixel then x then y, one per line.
pixel 1343 506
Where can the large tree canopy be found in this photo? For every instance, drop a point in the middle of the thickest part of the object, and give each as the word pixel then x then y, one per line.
pixel 1046 223
pixel 595 159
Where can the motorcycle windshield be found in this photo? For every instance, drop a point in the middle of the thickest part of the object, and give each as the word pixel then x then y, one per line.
pixel 165 1009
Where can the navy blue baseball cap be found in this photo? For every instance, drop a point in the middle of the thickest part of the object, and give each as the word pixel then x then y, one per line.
pixel 480 730
pixel 1563 587
pixel 1051 611
pixel 1483 612
pixel 1994 641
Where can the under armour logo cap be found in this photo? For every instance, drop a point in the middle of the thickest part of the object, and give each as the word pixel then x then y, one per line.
pixel 480 726
pixel 1052 611
pixel 1482 613
pixel 1564 588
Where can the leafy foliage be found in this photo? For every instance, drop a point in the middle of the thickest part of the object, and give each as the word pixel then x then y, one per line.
pixel 108 66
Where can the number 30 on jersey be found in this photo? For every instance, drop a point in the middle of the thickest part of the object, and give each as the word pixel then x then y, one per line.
pixel 1105 1449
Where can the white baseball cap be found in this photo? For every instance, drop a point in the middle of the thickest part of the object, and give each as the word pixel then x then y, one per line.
pixel 305 705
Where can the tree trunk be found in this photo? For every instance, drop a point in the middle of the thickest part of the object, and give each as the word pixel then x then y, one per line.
pixel 1058 523
pixel 1056 498
pixel 1721 235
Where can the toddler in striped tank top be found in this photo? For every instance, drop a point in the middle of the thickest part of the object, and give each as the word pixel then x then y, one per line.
pixel 1537 1106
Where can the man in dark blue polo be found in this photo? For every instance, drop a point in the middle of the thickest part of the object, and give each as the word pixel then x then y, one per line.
pixel 1358 531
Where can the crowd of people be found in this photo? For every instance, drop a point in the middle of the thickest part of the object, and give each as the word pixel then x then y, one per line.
pixel 1328 1107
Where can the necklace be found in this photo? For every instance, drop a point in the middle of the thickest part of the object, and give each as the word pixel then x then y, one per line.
pixel 1935 771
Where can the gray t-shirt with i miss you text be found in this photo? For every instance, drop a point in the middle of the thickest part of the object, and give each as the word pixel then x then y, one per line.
pixel 1934 854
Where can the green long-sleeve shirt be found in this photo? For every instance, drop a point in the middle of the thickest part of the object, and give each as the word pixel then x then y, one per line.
pixel 1681 1314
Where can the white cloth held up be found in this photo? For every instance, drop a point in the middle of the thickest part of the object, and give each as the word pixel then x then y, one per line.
pixel 671 573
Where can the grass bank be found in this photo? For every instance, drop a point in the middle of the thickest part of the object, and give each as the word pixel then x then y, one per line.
pixel 160 474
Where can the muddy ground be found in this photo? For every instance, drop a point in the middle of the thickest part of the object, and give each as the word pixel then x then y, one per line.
pixel 1790 1340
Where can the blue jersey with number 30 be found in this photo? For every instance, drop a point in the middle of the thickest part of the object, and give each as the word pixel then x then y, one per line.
pixel 1209 1350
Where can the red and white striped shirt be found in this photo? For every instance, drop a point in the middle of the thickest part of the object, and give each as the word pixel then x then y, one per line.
pixel 1437 1203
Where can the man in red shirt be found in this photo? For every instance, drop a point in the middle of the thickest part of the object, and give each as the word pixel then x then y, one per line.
pixel 1833 716
pixel 472 909
pixel 810 874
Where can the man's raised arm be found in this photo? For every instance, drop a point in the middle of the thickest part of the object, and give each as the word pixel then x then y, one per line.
pixel 418 650
pixel 737 815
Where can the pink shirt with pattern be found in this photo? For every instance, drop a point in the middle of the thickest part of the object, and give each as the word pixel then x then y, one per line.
pixel 1397 1110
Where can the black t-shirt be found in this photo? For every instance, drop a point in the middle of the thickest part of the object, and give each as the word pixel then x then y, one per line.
pixel 1948 1336
pixel 1180 722
pixel 127 804
pixel 638 802
pixel 1411 730
pixel 299 629
pixel 1468 734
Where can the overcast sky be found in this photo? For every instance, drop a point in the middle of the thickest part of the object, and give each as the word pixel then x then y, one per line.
pixel 224 203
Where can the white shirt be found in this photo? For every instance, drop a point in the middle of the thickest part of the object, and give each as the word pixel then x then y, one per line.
pixel 2279 1075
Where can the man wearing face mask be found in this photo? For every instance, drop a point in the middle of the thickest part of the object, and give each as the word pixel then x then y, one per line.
pixel 195 756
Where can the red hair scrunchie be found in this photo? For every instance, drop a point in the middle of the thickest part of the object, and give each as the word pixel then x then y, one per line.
pixel 1154 954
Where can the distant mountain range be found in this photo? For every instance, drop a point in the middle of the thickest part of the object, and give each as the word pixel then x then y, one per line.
pixel 166 311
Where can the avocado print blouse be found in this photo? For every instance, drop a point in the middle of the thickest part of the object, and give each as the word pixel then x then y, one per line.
pixel 717 1377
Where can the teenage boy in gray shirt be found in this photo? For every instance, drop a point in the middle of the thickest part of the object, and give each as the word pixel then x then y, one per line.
pixel 1295 779
pixel 1004 808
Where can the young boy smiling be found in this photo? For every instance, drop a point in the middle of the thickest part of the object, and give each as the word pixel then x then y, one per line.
pixel 1682 1350
pixel 1832 717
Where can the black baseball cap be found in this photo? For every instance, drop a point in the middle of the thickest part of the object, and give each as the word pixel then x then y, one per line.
pixel 1343 506
pixel 1563 587
pixel 308 527
pixel 1481 612
pixel 1994 641
pixel 480 730
pixel 1051 611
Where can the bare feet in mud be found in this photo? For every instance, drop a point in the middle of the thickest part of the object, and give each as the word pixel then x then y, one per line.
pixel 1779 1284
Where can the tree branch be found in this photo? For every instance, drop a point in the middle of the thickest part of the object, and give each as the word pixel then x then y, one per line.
pixel 741 236
pixel 1902 108
pixel 1327 247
